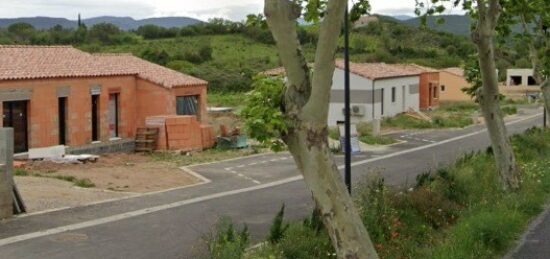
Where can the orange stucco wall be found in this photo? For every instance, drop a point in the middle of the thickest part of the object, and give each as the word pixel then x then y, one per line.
pixel 137 100
pixel 427 80
pixel 453 85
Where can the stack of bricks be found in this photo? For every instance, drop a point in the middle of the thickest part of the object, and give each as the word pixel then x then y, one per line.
pixel 184 133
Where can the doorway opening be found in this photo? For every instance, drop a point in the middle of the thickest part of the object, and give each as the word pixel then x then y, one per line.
pixel 62 115
pixel 114 116
pixel 15 116
pixel 95 117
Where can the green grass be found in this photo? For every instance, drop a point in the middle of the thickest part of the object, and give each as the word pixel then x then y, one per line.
pixel 21 172
pixel 225 99
pixel 84 183
pixel 456 212
pixel 439 120
pixel 379 140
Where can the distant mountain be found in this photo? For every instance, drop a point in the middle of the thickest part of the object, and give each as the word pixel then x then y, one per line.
pixel 128 23
pixel 402 17
pixel 455 24
pixel 40 23
pixel 124 23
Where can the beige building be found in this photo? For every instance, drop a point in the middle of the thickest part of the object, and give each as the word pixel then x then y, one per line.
pixel 451 82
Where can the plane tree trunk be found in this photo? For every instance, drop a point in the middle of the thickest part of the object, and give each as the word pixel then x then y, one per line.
pixel 489 96
pixel 306 108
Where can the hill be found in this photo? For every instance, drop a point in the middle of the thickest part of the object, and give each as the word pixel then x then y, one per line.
pixel 455 24
pixel 125 23
pixel 41 23
pixel 402 17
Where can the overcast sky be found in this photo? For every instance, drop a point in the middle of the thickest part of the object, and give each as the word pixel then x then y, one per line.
pixel 201 9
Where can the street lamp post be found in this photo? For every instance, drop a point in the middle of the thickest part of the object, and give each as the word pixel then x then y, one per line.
pixel 347 126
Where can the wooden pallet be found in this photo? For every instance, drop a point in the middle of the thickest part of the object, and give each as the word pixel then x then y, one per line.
pixel 146 139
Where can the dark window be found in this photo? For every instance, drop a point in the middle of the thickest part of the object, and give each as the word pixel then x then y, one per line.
pixel 393 94
pixel 442 88
pixel 531 81
pixel 435 92
pixel 95 117
pixel 62 117
pixel 515 80
pixel 188 105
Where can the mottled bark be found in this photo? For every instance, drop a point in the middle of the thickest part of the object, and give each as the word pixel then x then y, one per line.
pixel 489 95
pixel 306 107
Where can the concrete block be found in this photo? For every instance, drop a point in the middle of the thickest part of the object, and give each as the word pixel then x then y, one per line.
pixel 47 152
pixel 6 172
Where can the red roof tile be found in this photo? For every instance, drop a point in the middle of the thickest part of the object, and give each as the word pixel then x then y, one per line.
pixel 457 71
pixel 375 71
pixel 35 62
pixel 372 71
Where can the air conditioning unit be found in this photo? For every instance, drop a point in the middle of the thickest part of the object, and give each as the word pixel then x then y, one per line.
pixel 355 110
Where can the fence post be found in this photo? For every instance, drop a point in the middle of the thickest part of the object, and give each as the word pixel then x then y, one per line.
pixel 6 172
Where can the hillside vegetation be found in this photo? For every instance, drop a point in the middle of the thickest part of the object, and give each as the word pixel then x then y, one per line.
pixel 229 54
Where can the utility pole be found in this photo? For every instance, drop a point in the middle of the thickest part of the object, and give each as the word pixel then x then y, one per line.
pixel 347 137
pixel 544 118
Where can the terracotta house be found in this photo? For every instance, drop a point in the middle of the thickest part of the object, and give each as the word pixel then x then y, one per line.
pixel 58 95
pixel 451 82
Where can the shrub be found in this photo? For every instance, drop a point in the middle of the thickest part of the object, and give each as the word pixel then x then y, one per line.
pixel 278 228
pixel 228 243
pixel 509 110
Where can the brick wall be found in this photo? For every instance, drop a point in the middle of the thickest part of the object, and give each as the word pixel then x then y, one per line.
pixel 138 99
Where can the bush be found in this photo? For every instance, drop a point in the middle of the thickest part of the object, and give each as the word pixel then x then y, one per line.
pixel 457 212
pixel 228 243
pixel 278 228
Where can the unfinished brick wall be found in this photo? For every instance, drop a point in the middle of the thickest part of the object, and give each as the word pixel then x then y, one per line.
pixel 43 121
pixel 427 99
pixel 138 99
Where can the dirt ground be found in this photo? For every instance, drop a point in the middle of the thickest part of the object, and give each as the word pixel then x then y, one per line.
pixel 41 194
pixel 134 173
pixel 112 176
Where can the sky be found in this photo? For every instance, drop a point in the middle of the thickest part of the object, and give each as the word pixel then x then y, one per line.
pixel 201 9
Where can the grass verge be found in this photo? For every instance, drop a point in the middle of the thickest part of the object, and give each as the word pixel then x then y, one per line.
pixel 84 183
pixel 456 212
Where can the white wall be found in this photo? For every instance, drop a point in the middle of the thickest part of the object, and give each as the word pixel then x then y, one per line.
pixel 359 86
pixel 402 102
pixel 524 73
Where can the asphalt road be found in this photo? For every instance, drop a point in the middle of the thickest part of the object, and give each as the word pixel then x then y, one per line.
pixel 249 190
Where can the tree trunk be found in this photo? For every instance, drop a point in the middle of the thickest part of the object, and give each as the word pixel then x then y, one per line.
pixel 489 96
pixel 311 152
pixel 306 108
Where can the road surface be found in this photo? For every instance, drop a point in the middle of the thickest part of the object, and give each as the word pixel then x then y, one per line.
pixel 249 190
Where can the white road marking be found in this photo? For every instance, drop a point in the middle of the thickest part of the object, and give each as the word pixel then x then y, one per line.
pixel 136 213
pixel 228 168
pixel 251 164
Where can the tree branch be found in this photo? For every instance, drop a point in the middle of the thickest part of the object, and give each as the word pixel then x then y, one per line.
pixel 329 32
pixel 281 17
